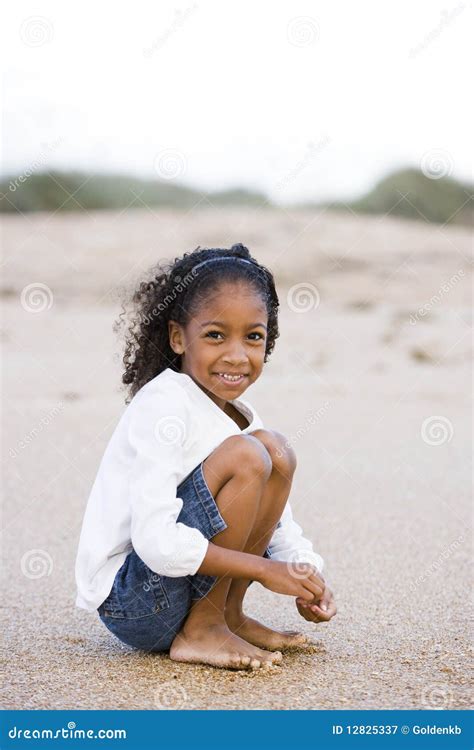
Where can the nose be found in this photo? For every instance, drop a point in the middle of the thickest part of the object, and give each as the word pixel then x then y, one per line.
pixel 235 354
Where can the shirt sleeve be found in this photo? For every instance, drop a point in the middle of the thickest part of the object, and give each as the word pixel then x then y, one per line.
pixel 157 432
pixel 289 545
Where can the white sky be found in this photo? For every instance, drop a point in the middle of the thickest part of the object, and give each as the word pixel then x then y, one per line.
pixel 234 92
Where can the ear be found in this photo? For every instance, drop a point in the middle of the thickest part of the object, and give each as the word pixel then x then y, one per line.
pixel 175 333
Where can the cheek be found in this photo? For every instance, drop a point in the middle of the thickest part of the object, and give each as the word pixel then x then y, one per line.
pixel 200 351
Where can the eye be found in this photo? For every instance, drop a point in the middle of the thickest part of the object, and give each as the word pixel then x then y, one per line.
pixel 213 333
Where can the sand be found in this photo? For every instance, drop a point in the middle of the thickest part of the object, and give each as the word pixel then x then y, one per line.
pixel 374 396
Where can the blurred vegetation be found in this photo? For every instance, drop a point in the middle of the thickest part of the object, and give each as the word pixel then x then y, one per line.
pixel 75 191
pixel 443 200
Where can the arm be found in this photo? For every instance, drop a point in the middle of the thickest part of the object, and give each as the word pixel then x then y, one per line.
pixel 284 578
pixel 157 431
pixel 289 543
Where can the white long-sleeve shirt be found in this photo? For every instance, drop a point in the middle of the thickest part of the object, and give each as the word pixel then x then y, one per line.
pixel 167 429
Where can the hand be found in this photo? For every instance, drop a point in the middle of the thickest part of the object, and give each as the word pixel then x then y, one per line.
pixel 318 611
pixel 295 579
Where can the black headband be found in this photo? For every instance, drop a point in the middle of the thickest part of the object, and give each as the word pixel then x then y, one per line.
pixel 233 258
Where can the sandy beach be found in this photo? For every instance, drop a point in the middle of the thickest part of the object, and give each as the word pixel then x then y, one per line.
pixel 370 380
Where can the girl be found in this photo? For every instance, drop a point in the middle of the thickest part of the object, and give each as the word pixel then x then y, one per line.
pixel 190 501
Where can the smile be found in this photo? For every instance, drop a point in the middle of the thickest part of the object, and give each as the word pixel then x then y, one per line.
pixel 230 379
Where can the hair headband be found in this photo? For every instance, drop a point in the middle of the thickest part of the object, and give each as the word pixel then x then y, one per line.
pixel 224 257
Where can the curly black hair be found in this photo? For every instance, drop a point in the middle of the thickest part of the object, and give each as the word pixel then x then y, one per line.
pixel 174 291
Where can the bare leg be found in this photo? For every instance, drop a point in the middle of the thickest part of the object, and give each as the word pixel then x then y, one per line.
pixel 272 504
pixel 236 472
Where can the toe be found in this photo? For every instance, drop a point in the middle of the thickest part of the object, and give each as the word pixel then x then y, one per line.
pixel 302 641
pixel 255 663
pixel 235 661
pixel 245 660
pixel 264 655
pixel 299 638
pixel 277 657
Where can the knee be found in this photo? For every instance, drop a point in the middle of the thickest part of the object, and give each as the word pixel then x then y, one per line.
pixel 249 456
pixel 281 453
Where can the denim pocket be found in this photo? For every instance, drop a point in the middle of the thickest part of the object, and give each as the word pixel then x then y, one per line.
pixel 136 592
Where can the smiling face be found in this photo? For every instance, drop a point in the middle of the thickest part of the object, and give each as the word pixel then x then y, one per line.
pixel 226 336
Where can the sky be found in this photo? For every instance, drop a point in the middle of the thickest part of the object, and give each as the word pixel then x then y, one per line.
pixel 302 100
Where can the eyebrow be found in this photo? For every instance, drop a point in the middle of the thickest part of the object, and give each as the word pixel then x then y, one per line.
pixel 222 325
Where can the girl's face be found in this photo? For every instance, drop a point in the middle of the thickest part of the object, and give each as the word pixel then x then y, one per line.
pixel 227 336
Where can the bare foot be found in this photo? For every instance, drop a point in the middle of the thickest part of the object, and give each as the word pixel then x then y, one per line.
pixel 216 645
pixel 258 634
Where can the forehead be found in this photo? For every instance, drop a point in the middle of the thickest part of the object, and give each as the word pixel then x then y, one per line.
pixel 231 301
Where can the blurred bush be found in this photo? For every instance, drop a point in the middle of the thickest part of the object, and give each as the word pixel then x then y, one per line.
pixel 407 193
pixel 75 191
pixel 442 200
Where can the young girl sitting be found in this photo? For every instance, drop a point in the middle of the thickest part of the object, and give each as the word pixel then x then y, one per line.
pixel 189 504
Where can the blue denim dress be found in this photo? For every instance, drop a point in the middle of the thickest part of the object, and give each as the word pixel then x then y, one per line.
pixel 146 610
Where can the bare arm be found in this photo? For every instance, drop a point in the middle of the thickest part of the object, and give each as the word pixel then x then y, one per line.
pixel 220 561
pixel 284 578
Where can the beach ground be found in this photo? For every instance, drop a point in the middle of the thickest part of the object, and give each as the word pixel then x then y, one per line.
pixel 370 380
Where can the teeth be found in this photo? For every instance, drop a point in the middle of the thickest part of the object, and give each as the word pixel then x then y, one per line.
pixel 230 377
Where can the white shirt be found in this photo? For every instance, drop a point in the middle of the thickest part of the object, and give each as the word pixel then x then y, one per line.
pixel 167 429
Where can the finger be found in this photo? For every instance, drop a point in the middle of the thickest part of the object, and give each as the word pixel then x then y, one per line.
pixel 317 579
pixel 325 614
pixel 301 601
pixel 317 582
pixel 326 599
pixel 308 614
pixel 305 612
pixel 306 595
pixel 323 603
pixel 315 589
pixel 318 614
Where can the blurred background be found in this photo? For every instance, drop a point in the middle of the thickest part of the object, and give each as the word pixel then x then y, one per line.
pixel 240 104
pixel 334 140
